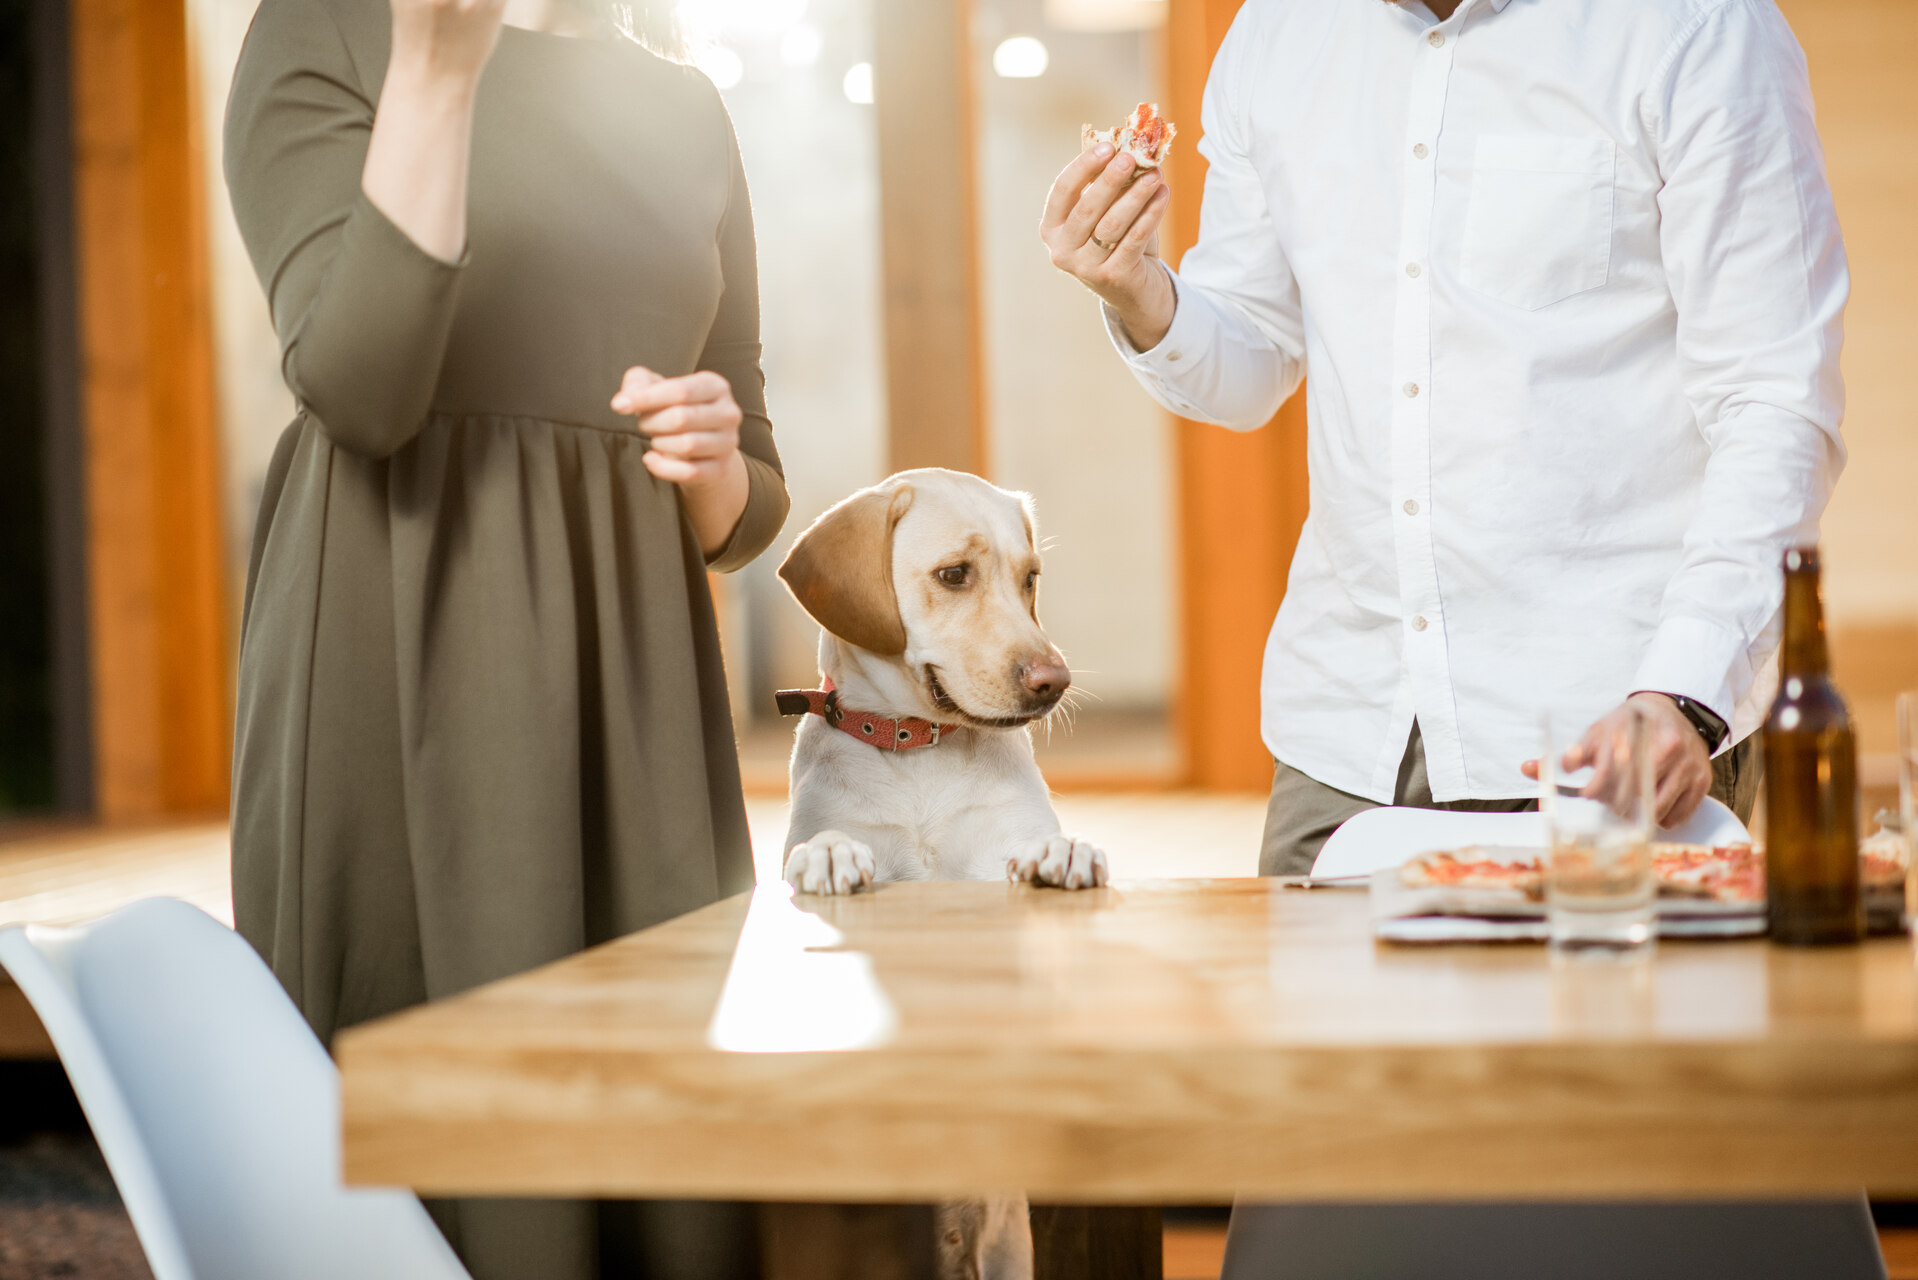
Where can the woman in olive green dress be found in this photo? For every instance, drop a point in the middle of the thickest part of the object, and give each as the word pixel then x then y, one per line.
pixel 482 715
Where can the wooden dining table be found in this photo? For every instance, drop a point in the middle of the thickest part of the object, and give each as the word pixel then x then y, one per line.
pixel 1152 1043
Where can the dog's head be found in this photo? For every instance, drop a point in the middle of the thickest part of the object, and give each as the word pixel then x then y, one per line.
pixel 938 572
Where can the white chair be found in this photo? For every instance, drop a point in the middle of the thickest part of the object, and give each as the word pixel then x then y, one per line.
pixel 216 1107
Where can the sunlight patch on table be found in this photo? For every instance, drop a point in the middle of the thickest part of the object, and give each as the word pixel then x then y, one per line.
pixel 787 993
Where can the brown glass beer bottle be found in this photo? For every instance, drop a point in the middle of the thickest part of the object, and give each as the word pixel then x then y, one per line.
pixel 1811 781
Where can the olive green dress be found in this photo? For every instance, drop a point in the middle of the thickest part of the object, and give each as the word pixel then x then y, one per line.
pixel 482 715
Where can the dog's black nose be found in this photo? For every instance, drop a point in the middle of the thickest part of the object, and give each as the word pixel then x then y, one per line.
pixel 1047 680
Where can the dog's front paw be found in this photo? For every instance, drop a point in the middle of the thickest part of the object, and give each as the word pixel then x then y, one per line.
pixel 830 862
pixel 1065 861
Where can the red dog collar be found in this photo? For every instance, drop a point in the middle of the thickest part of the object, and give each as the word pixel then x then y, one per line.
pixel 884 732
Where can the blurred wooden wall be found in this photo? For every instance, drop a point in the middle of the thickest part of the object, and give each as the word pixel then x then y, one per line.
pixel 1859 52
pixel 156 614
pixel 1241 496
pixel 935 380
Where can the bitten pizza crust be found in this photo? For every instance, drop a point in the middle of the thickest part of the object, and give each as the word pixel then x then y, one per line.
pixel 1146 136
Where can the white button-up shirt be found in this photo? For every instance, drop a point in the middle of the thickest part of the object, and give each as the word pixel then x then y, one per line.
pixel 1568 284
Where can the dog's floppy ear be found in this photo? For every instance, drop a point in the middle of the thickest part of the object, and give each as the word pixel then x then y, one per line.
pixel 840 570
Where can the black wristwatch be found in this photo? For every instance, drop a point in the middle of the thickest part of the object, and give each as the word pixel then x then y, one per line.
pixel 1713 730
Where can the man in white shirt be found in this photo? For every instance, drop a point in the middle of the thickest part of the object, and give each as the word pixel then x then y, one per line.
pixel 1568 284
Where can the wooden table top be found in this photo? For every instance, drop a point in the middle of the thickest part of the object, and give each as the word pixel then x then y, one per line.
pixel 1156 1042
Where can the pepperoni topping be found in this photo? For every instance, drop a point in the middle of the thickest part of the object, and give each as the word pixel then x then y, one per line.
pixel 1151 130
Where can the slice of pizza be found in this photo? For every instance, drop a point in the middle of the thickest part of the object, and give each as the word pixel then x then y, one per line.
pixel 1474 868
pixel 1720 873
pixel 1146 136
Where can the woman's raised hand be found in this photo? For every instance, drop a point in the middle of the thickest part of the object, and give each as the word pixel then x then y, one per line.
pixel 416 163
pixel 447 40
pixel 1102 227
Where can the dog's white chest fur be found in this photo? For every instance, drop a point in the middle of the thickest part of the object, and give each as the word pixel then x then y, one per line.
pixel 953 811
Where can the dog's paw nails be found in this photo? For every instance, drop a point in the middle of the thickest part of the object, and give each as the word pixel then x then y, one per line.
pixel 1062 861
pixel 830 862
pixel 1055 860
pixel 851 867
pixel 1086 867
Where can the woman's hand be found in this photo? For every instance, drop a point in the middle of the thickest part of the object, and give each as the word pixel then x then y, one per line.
pixel 445 40
pixel 416 163
pixel 694 426
pixel 1102 227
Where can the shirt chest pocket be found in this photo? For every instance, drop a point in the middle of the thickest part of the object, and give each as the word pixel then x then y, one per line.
pixel 1538 223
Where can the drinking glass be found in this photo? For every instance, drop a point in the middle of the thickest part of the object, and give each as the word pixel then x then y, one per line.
pixel 1599 887
pixel 1908 798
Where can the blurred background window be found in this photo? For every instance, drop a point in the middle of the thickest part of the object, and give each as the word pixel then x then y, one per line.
pixel 1065 421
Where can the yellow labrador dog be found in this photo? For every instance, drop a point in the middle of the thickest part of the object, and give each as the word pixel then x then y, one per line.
pixel 915 762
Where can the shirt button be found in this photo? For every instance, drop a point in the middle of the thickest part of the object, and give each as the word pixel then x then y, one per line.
pixel 1418 623
pixel 1175 355
pixel 1436 39
pixel 1413 269
pixel 1419 150
pixel 1411 390
pixel 1411 506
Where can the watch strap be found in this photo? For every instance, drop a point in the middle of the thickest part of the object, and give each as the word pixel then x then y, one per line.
pixel 1713 730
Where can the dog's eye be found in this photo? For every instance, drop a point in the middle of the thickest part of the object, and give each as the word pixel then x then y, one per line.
pixel 953 575
pixel 1032 581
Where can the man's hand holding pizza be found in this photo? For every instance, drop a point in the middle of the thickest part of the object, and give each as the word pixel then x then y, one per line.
pixel 1101 225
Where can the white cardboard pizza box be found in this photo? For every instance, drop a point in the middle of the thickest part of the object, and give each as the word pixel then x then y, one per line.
pixel 1387 837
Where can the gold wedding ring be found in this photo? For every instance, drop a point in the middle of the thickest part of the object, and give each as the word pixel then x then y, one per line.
pixel 1103 245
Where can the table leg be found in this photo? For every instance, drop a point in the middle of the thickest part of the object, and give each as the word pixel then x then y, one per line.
pixel 1097 1242
pixel 848 1241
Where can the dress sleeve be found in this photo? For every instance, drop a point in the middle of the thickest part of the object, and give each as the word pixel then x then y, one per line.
pixel 361 311
pixel 733 351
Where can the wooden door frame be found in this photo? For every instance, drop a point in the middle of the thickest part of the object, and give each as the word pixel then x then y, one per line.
pixel 1242 497
pixel 929 234
pixel 156 618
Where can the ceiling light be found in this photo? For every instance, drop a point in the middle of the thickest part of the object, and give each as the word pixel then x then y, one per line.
pixel 858 83
pixel 1020 58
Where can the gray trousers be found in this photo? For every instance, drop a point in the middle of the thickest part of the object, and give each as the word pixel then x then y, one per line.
pixel 1779 1240
pixel 1303 811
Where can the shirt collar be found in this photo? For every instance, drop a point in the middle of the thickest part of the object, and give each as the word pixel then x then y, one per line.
pixel 1497 5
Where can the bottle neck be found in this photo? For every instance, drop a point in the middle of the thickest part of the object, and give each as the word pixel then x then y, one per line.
pixel 1803 654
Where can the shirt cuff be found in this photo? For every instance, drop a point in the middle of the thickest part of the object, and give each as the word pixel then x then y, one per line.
pixel 1189 334
pixel 1695 658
